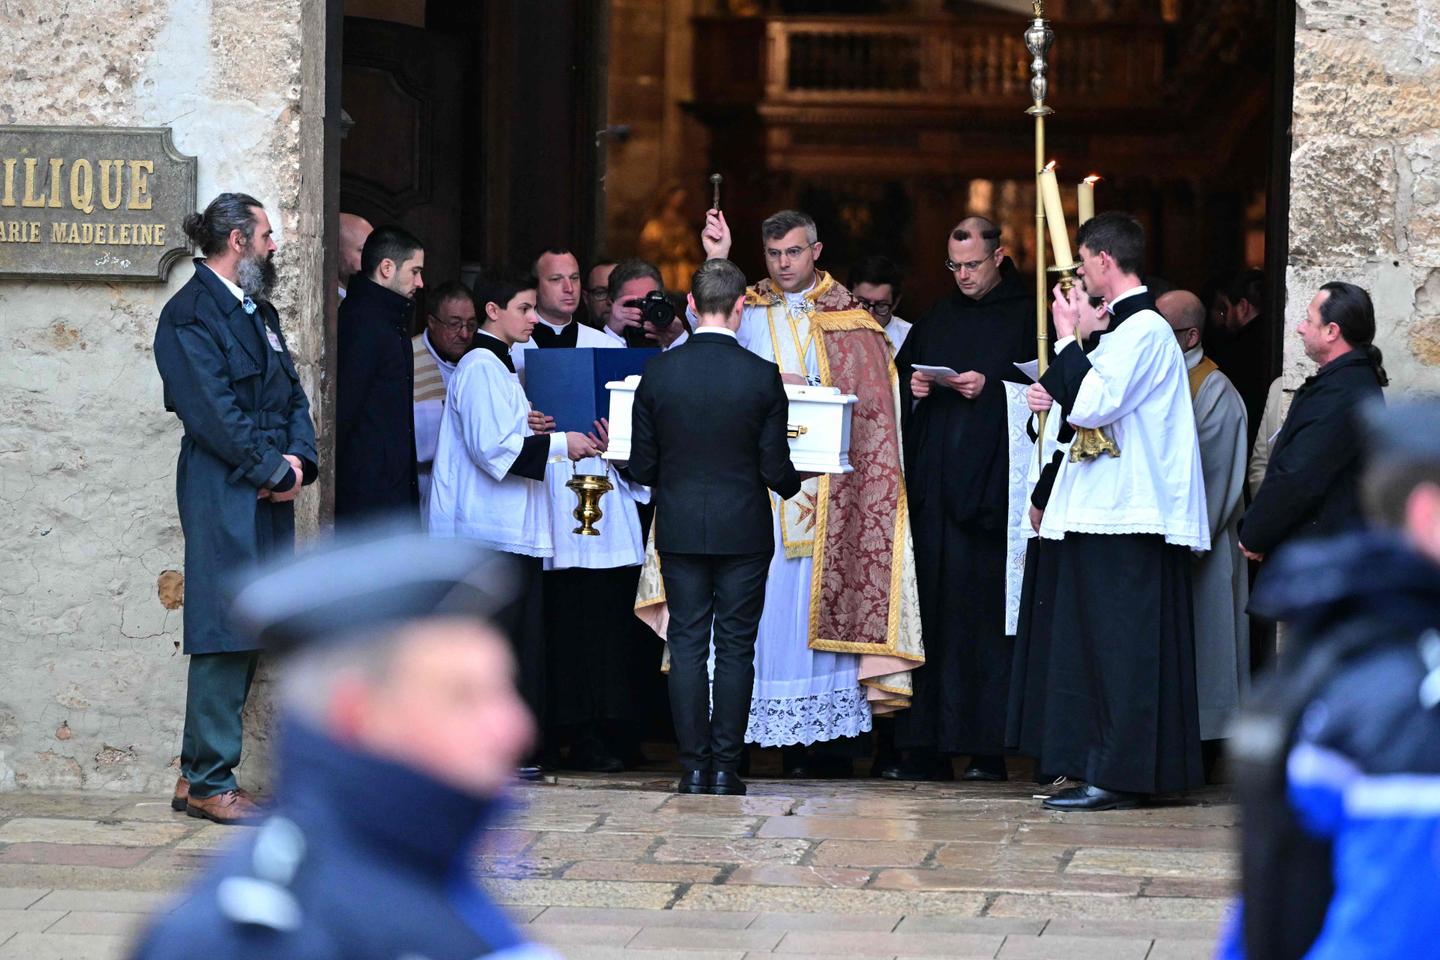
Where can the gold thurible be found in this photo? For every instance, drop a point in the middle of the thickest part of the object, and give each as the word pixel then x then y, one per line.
pixel 588 488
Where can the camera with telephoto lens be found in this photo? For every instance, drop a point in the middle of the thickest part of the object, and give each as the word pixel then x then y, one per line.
pixel 656 313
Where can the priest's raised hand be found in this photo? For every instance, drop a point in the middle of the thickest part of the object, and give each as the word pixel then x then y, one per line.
pixel 715 238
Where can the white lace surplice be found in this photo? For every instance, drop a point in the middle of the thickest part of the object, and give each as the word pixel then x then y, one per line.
pixel 801 695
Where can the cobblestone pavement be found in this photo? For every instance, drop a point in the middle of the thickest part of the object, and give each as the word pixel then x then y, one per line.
pixel 619 867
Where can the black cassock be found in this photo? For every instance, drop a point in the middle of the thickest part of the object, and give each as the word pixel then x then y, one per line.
pixel 957 480
pixel 1104 670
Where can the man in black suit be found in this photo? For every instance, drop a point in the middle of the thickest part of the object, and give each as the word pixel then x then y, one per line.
pixel 709 435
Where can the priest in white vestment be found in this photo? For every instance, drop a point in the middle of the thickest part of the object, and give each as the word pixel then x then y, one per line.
pixel 1127 508
pixel 1222 583
pixel 805 694
pixel 489 477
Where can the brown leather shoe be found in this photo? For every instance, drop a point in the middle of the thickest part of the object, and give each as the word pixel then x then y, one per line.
pixel 182 795
pixel 230 807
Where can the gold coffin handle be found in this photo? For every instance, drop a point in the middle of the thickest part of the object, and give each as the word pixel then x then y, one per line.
pixel 793 430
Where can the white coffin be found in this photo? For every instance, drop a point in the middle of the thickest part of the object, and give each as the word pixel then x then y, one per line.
pixel 819 423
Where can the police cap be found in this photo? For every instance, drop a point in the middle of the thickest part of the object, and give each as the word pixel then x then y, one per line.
pixel 355 586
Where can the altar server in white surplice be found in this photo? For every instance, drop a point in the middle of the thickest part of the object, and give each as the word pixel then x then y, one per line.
pixel 1222 584
pixel 590 581
pixel 488 483
pixel 1120 711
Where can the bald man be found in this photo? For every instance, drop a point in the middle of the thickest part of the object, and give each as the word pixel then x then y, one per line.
pixel 1222 630
pixel 354 231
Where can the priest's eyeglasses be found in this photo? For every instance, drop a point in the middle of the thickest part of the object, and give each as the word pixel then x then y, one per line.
pixel 469 325
pixel 881 308
pixel 969 266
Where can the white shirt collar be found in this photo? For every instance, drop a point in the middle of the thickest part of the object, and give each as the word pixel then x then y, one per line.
pixel 714 329
pixel 557 327
pixel 1129 293
pixel 239 294
pixel 1193 356
pixel 794 298
pixel 425 339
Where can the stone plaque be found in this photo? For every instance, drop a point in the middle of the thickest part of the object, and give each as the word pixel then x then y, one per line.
pixel 81 203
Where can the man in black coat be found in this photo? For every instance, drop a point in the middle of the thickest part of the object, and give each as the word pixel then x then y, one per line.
pixel 957 474
pixel 709 435
pixel 1310 487
pixel 375 469
pixel 249 446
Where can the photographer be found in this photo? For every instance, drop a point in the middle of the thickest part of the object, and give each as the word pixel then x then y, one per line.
pixel 640 314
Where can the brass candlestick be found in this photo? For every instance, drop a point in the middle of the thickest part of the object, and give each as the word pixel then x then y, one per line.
pixel 1038 40
pixel 1089 442
pixel 589 488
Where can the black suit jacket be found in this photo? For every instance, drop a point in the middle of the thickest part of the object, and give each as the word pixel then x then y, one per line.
pixel 1311 487
pixel 709 436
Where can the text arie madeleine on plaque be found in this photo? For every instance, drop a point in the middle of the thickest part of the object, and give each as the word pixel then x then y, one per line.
pixel 92 202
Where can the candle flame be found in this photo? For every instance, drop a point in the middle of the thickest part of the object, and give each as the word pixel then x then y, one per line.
pixel 1093 178
pixel 1048 167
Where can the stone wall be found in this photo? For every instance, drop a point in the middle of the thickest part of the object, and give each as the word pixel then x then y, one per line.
pixel 1365 172
pixel 91 686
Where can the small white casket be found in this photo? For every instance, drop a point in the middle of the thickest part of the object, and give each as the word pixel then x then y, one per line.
pixel 819 425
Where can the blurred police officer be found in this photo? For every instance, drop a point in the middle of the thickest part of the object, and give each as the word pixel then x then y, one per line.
pixel 1338 759
pixel 249 446
pixel 400 727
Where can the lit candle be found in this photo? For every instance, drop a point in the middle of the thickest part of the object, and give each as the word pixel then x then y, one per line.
pixel 1055 216
pixel 1085 195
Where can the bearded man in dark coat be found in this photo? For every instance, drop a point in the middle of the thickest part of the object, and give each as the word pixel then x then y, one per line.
pixel 249 446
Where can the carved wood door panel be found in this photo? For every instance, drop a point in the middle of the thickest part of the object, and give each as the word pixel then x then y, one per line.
pixel 401 161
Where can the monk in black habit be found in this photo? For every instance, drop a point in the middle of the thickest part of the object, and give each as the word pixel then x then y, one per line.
pixel 957 478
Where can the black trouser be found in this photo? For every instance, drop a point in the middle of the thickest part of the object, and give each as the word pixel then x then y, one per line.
pixel 215 694
pixel 725 593
pixel 523 621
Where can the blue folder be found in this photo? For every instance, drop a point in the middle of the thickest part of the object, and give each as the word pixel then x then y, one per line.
pixel 569 384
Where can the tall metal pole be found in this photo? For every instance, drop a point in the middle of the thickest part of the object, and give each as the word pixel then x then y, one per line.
pixel 1038 40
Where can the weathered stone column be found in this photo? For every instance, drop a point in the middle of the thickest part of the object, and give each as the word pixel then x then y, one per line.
pixel 1365 174
pixel 93 688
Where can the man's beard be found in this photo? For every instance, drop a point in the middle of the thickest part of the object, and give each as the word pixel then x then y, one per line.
pixel 255 276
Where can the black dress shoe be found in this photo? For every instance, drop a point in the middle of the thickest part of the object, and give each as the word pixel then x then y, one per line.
pixel 726 784
pixel 986 769
pixel 592 757
pixel 693 781
pixel 1091 797
pixel 531 772
pixel 927 771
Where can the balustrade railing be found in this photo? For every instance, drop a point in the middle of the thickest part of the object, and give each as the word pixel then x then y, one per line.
pixel 917 62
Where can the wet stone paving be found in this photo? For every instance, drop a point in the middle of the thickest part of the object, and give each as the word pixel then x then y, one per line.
pixel 605 867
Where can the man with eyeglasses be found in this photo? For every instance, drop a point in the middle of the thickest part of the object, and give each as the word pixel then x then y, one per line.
pixel 597 294
pixel 957 446
pixel 876 281
pixel 449 333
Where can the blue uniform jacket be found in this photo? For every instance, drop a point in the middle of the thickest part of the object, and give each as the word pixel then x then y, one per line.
pixel 360 858
pixel 242 406
pixel 1364 772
